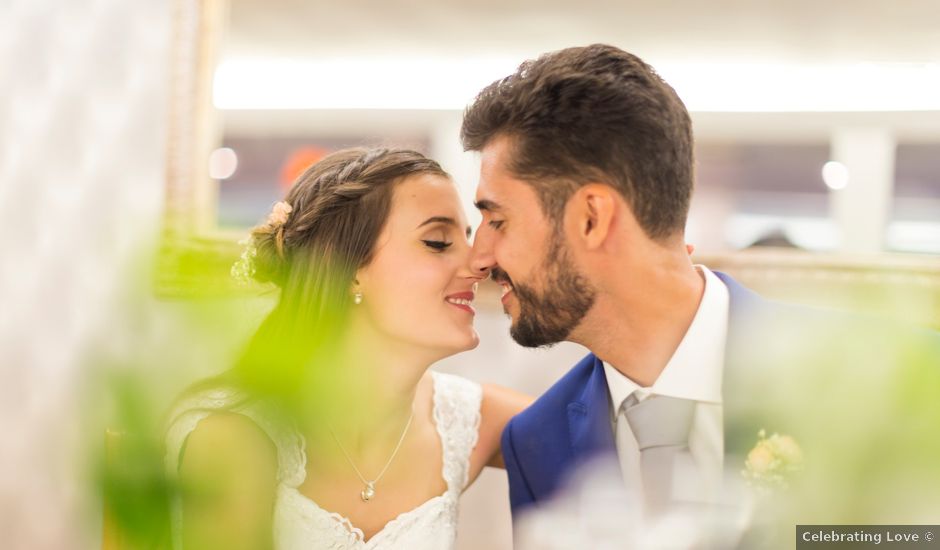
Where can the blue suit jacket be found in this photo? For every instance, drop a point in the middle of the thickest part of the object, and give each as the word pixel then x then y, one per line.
pixel 570 423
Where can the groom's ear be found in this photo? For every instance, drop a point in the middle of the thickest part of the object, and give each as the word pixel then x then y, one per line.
pixel 593 207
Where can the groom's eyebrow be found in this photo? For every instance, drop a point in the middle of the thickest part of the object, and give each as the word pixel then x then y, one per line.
pixel 486 205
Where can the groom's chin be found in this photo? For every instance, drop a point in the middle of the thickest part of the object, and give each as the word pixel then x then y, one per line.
pixel 529 336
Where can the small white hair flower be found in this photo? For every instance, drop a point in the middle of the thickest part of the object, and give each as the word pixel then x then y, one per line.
pixel 243 270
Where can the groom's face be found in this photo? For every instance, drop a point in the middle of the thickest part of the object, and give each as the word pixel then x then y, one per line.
pixel 544 292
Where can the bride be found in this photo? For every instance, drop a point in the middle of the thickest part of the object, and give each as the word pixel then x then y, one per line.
pixel 330 432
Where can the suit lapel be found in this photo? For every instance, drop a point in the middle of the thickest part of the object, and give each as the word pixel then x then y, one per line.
pixel 589 417
pixel 740 424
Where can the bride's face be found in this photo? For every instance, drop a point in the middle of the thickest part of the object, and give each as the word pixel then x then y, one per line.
pixel 418 289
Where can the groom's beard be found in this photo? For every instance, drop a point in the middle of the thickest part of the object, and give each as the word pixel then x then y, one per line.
pixel 548 317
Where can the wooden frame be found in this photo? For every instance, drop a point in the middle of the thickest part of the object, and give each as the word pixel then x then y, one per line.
pixel 194 256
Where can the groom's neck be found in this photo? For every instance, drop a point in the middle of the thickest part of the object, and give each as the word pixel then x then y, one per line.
pixel 642 316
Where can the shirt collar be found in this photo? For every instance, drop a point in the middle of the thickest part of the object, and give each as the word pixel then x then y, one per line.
pixel 695 369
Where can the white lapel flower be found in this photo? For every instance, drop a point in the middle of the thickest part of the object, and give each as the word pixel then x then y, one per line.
pixel 772 462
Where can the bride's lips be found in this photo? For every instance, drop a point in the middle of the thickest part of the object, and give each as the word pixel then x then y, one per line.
pixel 461 300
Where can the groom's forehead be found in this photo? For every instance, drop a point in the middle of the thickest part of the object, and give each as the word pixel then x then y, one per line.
pixel 495 162
pixel 504 195
pixel 498 189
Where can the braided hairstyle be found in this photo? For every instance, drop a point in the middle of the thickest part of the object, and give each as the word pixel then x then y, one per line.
pixel 338 208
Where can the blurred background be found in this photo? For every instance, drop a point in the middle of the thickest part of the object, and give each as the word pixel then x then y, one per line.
pixel 139 137
pixel 778 91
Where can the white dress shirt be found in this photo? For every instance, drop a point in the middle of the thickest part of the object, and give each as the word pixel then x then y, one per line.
pixel 694 372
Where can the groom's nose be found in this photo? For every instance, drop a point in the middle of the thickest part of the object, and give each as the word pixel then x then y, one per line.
pixel 482 259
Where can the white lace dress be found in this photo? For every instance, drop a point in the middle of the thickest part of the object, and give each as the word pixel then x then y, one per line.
pixel 299 523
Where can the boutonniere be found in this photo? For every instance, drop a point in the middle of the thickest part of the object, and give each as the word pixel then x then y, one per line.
pixel 772 462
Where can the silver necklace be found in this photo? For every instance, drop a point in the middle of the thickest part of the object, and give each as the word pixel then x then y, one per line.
pixel 369 491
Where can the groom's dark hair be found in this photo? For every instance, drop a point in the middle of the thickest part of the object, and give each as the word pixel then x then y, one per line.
pixel 594 113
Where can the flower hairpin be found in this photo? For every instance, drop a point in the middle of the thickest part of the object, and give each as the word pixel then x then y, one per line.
pixel 243 270
pixel 279 214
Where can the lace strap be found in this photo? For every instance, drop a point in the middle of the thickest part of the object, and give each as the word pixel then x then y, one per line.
pixel 457 416
pixel 291 455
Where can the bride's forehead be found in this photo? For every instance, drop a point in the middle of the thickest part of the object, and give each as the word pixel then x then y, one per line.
pixel 421 197
pixel 425 184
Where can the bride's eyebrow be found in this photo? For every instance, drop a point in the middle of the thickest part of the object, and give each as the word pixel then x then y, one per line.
pixel 438 219
pixel 446 221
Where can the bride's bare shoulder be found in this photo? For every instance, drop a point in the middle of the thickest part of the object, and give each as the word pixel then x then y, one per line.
pixel 228 443
pixel 228 471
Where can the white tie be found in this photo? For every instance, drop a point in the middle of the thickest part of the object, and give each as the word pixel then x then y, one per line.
pixel 661 426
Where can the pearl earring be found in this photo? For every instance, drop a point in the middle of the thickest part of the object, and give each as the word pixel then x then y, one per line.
pixel 357 298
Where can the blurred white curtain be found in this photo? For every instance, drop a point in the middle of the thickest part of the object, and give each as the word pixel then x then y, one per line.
pixel 83 94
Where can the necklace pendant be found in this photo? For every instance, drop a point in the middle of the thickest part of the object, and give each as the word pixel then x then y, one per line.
pixel 367 493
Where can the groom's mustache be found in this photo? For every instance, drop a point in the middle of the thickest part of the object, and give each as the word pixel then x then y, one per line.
pixel 500 276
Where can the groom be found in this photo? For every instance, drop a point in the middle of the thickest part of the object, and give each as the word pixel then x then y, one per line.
pixel 585 184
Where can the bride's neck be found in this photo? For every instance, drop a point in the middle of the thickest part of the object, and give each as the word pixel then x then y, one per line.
pixel 372 390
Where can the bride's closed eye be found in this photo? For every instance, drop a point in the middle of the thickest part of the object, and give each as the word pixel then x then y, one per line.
pixel 439 246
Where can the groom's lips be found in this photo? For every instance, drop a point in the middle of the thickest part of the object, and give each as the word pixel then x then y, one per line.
pixel 507 291
pixel 501 278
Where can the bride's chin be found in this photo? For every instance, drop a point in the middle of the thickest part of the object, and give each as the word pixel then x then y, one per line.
pixel 474 341
pixel 471 341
